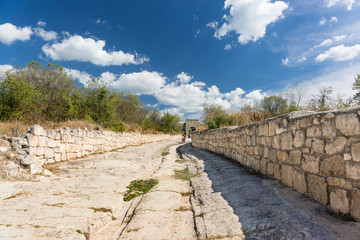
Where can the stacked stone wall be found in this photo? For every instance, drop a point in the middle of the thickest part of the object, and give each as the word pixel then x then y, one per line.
pixel 316 154
pixel 39 146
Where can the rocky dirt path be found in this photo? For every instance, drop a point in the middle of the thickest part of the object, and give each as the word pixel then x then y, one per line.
pixel 265 208
pixel 84 200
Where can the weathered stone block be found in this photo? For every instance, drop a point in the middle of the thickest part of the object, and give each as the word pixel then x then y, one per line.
pixel 270 169
pixel 299 181
pixel 276 142
pixel 282 156
pixel 347 157
pixel 49 153
pixel 35 168
pixel 333 166
pixel 39 151
pixel 339 201
pixel 299 138
pixel 314 131
pixel 355 204
pixel 336 147
pixel 317 188
pixel 295 157
pixel 348 124
pixel 355 152
pixel 353 170
pixel 287 175
pixel 286 141
pixel 272 127
pixel 33 140
pixel 329 116
pixel 329 129
pixel 43 141
pixel 37 130
pixel 273 155
pixel 339 182
pixel 318 146
pixel 311 163
pixel 277 173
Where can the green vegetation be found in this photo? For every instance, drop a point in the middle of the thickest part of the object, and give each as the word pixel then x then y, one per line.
pixel 46 92
pixel 139 187
pixel 101 210
pixel 293 99
pixel 165 154
pixel 184 174
pixel 346 217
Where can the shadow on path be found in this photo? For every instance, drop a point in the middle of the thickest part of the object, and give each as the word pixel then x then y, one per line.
pixel 269 210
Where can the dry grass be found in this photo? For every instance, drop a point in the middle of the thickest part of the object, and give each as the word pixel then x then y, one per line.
pixel 17 128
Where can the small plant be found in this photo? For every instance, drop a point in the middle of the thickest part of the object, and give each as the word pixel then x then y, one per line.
pixel 101 210
pixel 185 194
pixel 184 174
pixel 199 215
pixel 181 161
pixel 346 217
pixel 79 231
pixel 36 226
pixel 133 230
pixel 165 153
pixel 139 187
pixel 113 218
pixel 8 156
pixel 183 209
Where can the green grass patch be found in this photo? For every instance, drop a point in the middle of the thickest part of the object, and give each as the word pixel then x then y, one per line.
pixel 199 215
pixel 181 161
pixel 185 194
pixel 183 209
pixel 184 174
pixel 346 217
pixel 165 153
pixel 133 230
pixel 139 187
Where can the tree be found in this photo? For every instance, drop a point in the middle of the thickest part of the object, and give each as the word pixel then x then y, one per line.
pixel 323 100
pixel 170 123
pixel 275 105
pixel 356 86
pixel 295 96
pixel 214 116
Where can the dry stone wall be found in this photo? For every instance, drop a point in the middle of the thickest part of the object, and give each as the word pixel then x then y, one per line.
pixel 317 154
pixel 39 146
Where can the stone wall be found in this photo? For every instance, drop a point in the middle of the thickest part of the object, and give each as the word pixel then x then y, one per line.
pixel 316 154
pixel 39 146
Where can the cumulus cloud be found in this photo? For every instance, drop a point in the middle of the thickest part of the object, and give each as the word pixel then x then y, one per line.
pixel 333 19
pixel 184 77
pixel 339 53
pixel 9 33
pixel 228 46
pixel 77 48
pixel 138 82
pixel 249 19
pixel 347 3
pixel 81 76
pixel 45 35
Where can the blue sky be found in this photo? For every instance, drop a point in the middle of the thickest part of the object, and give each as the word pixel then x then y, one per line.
pixel 177 55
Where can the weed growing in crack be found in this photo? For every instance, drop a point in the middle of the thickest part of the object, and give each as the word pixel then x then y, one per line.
pixel 139 187
pixel 133 230
pixel 199 215
pixel 346 217
pixel 101 210
pixel 165 153
pixel 183 209
pixel 184 174
pixel 185 194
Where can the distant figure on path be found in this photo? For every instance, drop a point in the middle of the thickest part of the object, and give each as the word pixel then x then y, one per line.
pixel 183 138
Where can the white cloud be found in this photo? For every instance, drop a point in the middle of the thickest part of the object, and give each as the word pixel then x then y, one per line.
pixel 138 82
pixel 45 35
pixel 77 48
pixel 339 53
pixel 249 18
pixel 333 19
pixel 339 38
pixel 9 33
pixel 197 33
pixel 326 42
pixel 285 61
pixel 81 76
pixel 228 46
pixel 300 60
pixel 3 69
pixel 322 22
pixel 212 25
pixel 41 23
pixel 184 77
pixel 348 3
pixel 101 22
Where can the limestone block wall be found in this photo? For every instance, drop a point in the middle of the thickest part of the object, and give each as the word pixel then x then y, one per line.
pixel 39 146
pixel 316 154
